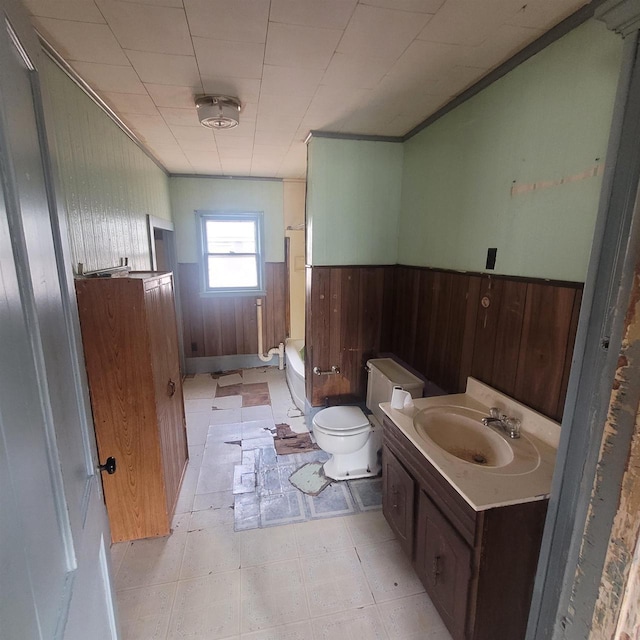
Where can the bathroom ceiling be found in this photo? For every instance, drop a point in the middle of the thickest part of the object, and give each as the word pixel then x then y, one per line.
pixel 370 67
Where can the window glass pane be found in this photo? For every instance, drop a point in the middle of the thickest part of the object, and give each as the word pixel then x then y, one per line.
pixel 231 236
pixel 233 271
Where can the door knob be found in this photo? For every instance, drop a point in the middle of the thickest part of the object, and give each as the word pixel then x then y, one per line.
pixel 109 466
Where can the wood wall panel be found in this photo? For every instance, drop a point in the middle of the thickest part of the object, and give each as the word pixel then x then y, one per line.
pixel 223 326
pixel 512 333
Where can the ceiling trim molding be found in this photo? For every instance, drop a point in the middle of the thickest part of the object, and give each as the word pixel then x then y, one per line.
pixel 63 65
pixel 352 136
pixel 621 16
pixel 217 177
pixel 561 29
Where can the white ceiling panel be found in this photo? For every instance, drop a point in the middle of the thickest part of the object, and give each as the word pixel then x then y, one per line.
pixel 160 68
pixel 326 14
pixel 238 20
pixel 296 46
pixel 148 28
pixel 350 71
pixel 109 77
pixel 83 41
pixel 372 67
pixel 286 81
pixel 246 89
pixel 180 117
pixel 164 95
pixel 77 10
pixel 131 103
pixel 381 33
pixel 222 58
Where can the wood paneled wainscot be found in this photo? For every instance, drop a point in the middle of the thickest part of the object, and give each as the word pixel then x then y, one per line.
pixel 130 344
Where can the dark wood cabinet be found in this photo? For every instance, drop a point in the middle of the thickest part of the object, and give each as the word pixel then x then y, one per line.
pixel 130 341
pixel 478 567
pixel 398 491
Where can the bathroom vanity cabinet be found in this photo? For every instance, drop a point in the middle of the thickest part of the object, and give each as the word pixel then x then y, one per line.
pixel 130 341
pixel 478 567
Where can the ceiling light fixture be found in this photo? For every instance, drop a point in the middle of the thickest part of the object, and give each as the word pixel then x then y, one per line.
pixel 218 112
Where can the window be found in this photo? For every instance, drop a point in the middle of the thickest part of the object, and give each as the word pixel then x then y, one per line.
pixel 232 261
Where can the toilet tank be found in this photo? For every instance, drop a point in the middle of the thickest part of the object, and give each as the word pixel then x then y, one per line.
pixel 384 374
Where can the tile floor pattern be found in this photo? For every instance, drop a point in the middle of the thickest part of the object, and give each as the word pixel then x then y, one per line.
pixel 335 578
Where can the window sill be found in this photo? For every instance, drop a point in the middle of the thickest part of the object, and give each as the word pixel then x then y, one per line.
pixel 231 293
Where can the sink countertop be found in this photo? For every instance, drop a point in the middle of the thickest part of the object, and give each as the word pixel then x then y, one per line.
pixel 482 487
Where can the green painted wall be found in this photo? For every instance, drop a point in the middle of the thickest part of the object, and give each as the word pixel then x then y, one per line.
pixel 107 184
pixel 353 201
pixel 547 119
pixel 212 194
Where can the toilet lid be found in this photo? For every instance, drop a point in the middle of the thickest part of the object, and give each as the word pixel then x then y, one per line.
pixel 341 419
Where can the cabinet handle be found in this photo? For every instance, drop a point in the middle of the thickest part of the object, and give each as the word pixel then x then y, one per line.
pixel 171 388
pixel 436 569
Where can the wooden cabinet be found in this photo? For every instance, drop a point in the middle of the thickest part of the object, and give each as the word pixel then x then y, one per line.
pixel 129 334
pixel 398 500
pixel 478 567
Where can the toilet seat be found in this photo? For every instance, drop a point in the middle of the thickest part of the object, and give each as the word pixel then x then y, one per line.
pixel 341 421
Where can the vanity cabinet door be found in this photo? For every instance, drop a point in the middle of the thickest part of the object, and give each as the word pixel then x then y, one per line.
pixel 398 491
pixel 443 562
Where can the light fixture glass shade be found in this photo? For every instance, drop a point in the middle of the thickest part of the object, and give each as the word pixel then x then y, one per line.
pixel 218 112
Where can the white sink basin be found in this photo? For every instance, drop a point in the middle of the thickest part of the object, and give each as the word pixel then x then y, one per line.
pixel 459 432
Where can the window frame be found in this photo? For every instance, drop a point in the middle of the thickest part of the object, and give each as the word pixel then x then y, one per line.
pixel 230 216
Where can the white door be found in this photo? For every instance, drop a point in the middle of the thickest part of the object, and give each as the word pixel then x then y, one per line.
pixel 54 538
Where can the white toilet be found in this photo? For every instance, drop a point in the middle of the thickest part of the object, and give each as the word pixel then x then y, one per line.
pixel 354 438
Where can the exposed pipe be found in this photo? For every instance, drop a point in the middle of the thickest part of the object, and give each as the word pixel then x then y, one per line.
pixel 272 352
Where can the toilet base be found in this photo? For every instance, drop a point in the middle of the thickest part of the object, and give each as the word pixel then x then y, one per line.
pixel 336 471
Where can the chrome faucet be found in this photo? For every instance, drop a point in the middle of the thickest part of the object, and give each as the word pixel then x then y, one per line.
pixel 511 426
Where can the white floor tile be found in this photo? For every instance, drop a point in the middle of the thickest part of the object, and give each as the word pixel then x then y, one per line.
pixel 209 551
pixel 272 595
pixel 413 618
pixel 354 624
pixel 261 546
pixel 294 631
pixel 198 405
pixel 389 571
pixel 117 555
pixel 227 402
pixel 152 561
pixel 219 500
pixel 144 612
pixel 226 381
pixel 369 528
pixel 212 517
pixel 197 427
pixel 207 608
pixel 262 412
pixel 315 537
pixel 180 522
pixel 335 582
pixel 252 376
pixel 226 416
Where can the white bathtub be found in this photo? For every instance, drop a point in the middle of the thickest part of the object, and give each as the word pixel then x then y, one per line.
pixel 295 371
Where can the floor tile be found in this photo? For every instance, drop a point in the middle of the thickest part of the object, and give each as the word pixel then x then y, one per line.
pixel 226 416
pixel 197 427
pixel 294 631
pixel 335 500
pixel 284 508
pixel 218 500
pixel 198 405
pixel 354 624
pixel 389 571
pixel 225 432
pixel 246 512
pixel 271 595
pixel 244 479
pixel 152 561
pixel 369 528
pixel 367 493
pixel 413 618
pixel 261 412
pixel 180 522
pixel 117 555
pixel 229 402
pixel 335 582
pixel 259 374
pixel 207 608
pixel 228 380
pixel 322 536
pixel 209 551
pixel 261 546
pixel 212 517
pixel 230 390
pixel 144 612
pixel 258 428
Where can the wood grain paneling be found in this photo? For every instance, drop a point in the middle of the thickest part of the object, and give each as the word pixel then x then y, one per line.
pixel 512 333
pixel 223 326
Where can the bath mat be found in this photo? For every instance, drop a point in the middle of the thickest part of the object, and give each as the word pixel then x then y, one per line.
pixel 310 478
pixel 288 442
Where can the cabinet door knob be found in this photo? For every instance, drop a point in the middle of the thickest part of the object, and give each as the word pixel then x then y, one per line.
pixel 436 569
pixel 171 388
pixel 109 466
